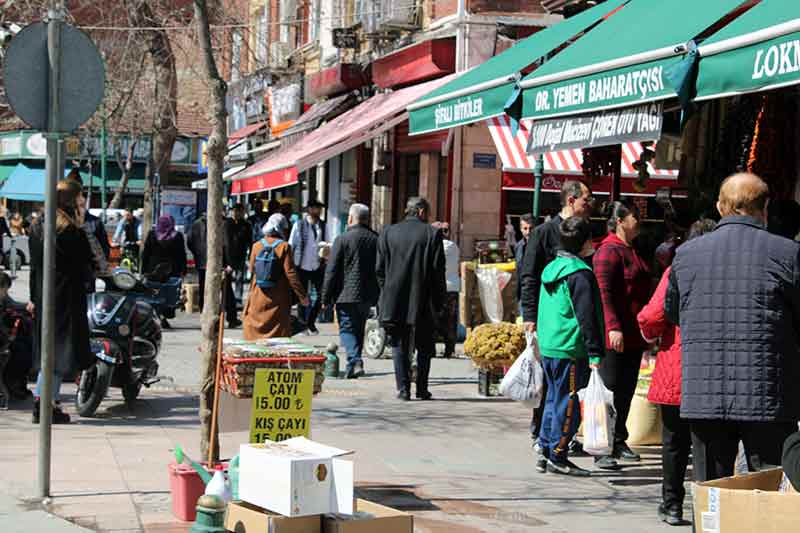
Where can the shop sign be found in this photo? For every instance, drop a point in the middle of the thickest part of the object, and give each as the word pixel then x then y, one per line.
pixel 10 146
pixel 202 157
pixel 484 160
pixel 182 152
pixel 281 404
pixel 449 113
pixel 345 38
pixel 618 126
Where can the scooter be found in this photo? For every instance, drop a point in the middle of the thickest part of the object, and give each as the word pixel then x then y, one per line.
pixel 125 337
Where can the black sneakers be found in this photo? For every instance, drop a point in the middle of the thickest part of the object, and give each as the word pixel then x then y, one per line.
pixel 623 452
pixel 606 462
pixel 566 468
pixel 59 416
pixel 672 515
pixel 541 464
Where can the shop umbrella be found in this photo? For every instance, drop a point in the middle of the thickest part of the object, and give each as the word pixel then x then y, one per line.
pixel 623 61
pixel 483 91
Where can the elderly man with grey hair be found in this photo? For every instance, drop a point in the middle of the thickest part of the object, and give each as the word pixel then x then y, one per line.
pixel 350 283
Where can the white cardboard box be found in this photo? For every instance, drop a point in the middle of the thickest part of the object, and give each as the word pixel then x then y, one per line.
pixel 296 477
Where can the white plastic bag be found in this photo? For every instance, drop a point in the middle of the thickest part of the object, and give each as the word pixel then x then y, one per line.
pixel 491 283
pixel 599 416
pixel 524 380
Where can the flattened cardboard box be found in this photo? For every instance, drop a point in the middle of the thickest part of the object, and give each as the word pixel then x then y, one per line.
pixel 746 504
pixel 245 518
pixel 385 520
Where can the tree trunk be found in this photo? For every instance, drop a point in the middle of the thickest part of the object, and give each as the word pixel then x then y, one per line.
pixel 216 150
pixel 165 129
pixel 126 168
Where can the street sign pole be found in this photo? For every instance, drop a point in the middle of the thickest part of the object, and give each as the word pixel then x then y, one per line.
pixel 47 312
pixel 103 142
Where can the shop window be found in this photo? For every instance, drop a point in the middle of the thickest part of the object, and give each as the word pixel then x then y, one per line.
pixel 236 54
pixel 262 29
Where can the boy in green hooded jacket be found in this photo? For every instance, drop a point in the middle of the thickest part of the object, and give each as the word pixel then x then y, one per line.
pixel 570 334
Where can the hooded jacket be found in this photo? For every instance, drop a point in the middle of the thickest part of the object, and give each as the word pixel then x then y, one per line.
pixel 570 318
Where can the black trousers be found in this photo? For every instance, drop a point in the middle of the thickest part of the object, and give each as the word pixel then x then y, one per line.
pixel 404 340
pixel 230 299
pixel 620 372
pixel 676 445
pixel 201 280
pixel 309 279
pixel 538 415
pixel 715 444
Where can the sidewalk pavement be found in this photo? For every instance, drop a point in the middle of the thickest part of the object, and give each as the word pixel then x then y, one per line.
pixel 459 464
pixel 16 517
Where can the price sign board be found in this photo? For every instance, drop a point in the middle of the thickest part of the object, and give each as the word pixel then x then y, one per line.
pixel 281 404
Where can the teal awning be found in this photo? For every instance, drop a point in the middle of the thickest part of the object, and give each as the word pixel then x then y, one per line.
pixel 756 52
pixel 5 172
pixel 623 61
pixel 482 92
pixel 24 184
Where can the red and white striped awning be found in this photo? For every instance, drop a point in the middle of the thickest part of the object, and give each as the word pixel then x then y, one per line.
pixel 567 162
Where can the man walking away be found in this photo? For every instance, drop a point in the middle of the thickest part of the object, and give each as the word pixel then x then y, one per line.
pixel 526 223
pixel 238 235
pixel 576 200
pixel 736 295
pixel 571 337
pixel 351 285
pixel 196 242
pixel 306 235
pixel 411 275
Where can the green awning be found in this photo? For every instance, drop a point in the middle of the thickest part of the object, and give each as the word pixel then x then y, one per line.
pixel 5 172
pixel 756 52
pixel 482 92
pixel 623 61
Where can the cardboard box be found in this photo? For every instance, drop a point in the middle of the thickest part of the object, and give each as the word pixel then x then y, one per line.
pixel 245 518
pixel 296 477
pixel 746 503
pixel 376 518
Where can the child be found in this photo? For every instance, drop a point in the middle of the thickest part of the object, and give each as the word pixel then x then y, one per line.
pixel 570 331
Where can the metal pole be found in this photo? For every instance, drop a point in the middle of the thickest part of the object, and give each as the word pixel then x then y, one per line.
pixel 47 311
pixel 103 161
pixel 538 170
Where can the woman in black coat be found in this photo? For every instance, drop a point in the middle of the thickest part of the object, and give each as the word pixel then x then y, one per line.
pixel 165 245
pixel 73 266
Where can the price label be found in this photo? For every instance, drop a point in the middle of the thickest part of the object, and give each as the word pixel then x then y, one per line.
pixel 281 405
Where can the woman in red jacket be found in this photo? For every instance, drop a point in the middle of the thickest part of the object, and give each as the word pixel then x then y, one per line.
pixel 625 287
pixel 665 390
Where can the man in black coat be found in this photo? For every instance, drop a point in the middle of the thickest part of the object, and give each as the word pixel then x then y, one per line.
pixel 238 235
pixel 576 200
pixel 411 275
pixel 350 283
pixel 736 295
pixel 526 224
pixel 196 242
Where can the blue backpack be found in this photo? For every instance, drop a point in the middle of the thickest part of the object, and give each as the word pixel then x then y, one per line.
pixel 268 269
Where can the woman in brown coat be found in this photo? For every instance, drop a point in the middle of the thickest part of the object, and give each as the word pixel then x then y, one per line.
pixel 268 311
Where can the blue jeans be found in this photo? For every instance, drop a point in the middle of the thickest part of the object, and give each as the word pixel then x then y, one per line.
pixel 562 409
pixel 56 386
pixel 352 323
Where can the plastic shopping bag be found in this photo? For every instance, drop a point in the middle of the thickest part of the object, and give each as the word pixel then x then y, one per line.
pixel 599 416
pixel 491 283
pixel 524 380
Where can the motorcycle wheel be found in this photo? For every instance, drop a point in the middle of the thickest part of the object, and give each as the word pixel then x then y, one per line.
pixel 92 388
pixel 374 340
pixel 130 392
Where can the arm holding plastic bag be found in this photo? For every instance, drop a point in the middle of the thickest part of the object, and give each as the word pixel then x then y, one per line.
pixel 524 381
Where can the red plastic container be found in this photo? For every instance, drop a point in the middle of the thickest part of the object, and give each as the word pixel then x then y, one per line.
pixel 186 487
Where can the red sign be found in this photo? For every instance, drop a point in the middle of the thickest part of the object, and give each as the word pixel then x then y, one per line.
pixel 275 179
pixel 416 63
pixel 523 181
pixel 336 80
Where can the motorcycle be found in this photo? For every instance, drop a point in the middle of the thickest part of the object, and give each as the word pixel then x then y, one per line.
pixel 125 337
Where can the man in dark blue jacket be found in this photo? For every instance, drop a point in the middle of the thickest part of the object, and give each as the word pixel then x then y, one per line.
pixel 735 293
pixel 526 224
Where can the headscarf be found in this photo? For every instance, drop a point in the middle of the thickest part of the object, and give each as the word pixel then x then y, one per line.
pixel 276 226
pixel 165 228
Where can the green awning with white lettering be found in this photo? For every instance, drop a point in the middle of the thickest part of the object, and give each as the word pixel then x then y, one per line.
pixel 756 52
pixel 622 62
pixel 482 92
